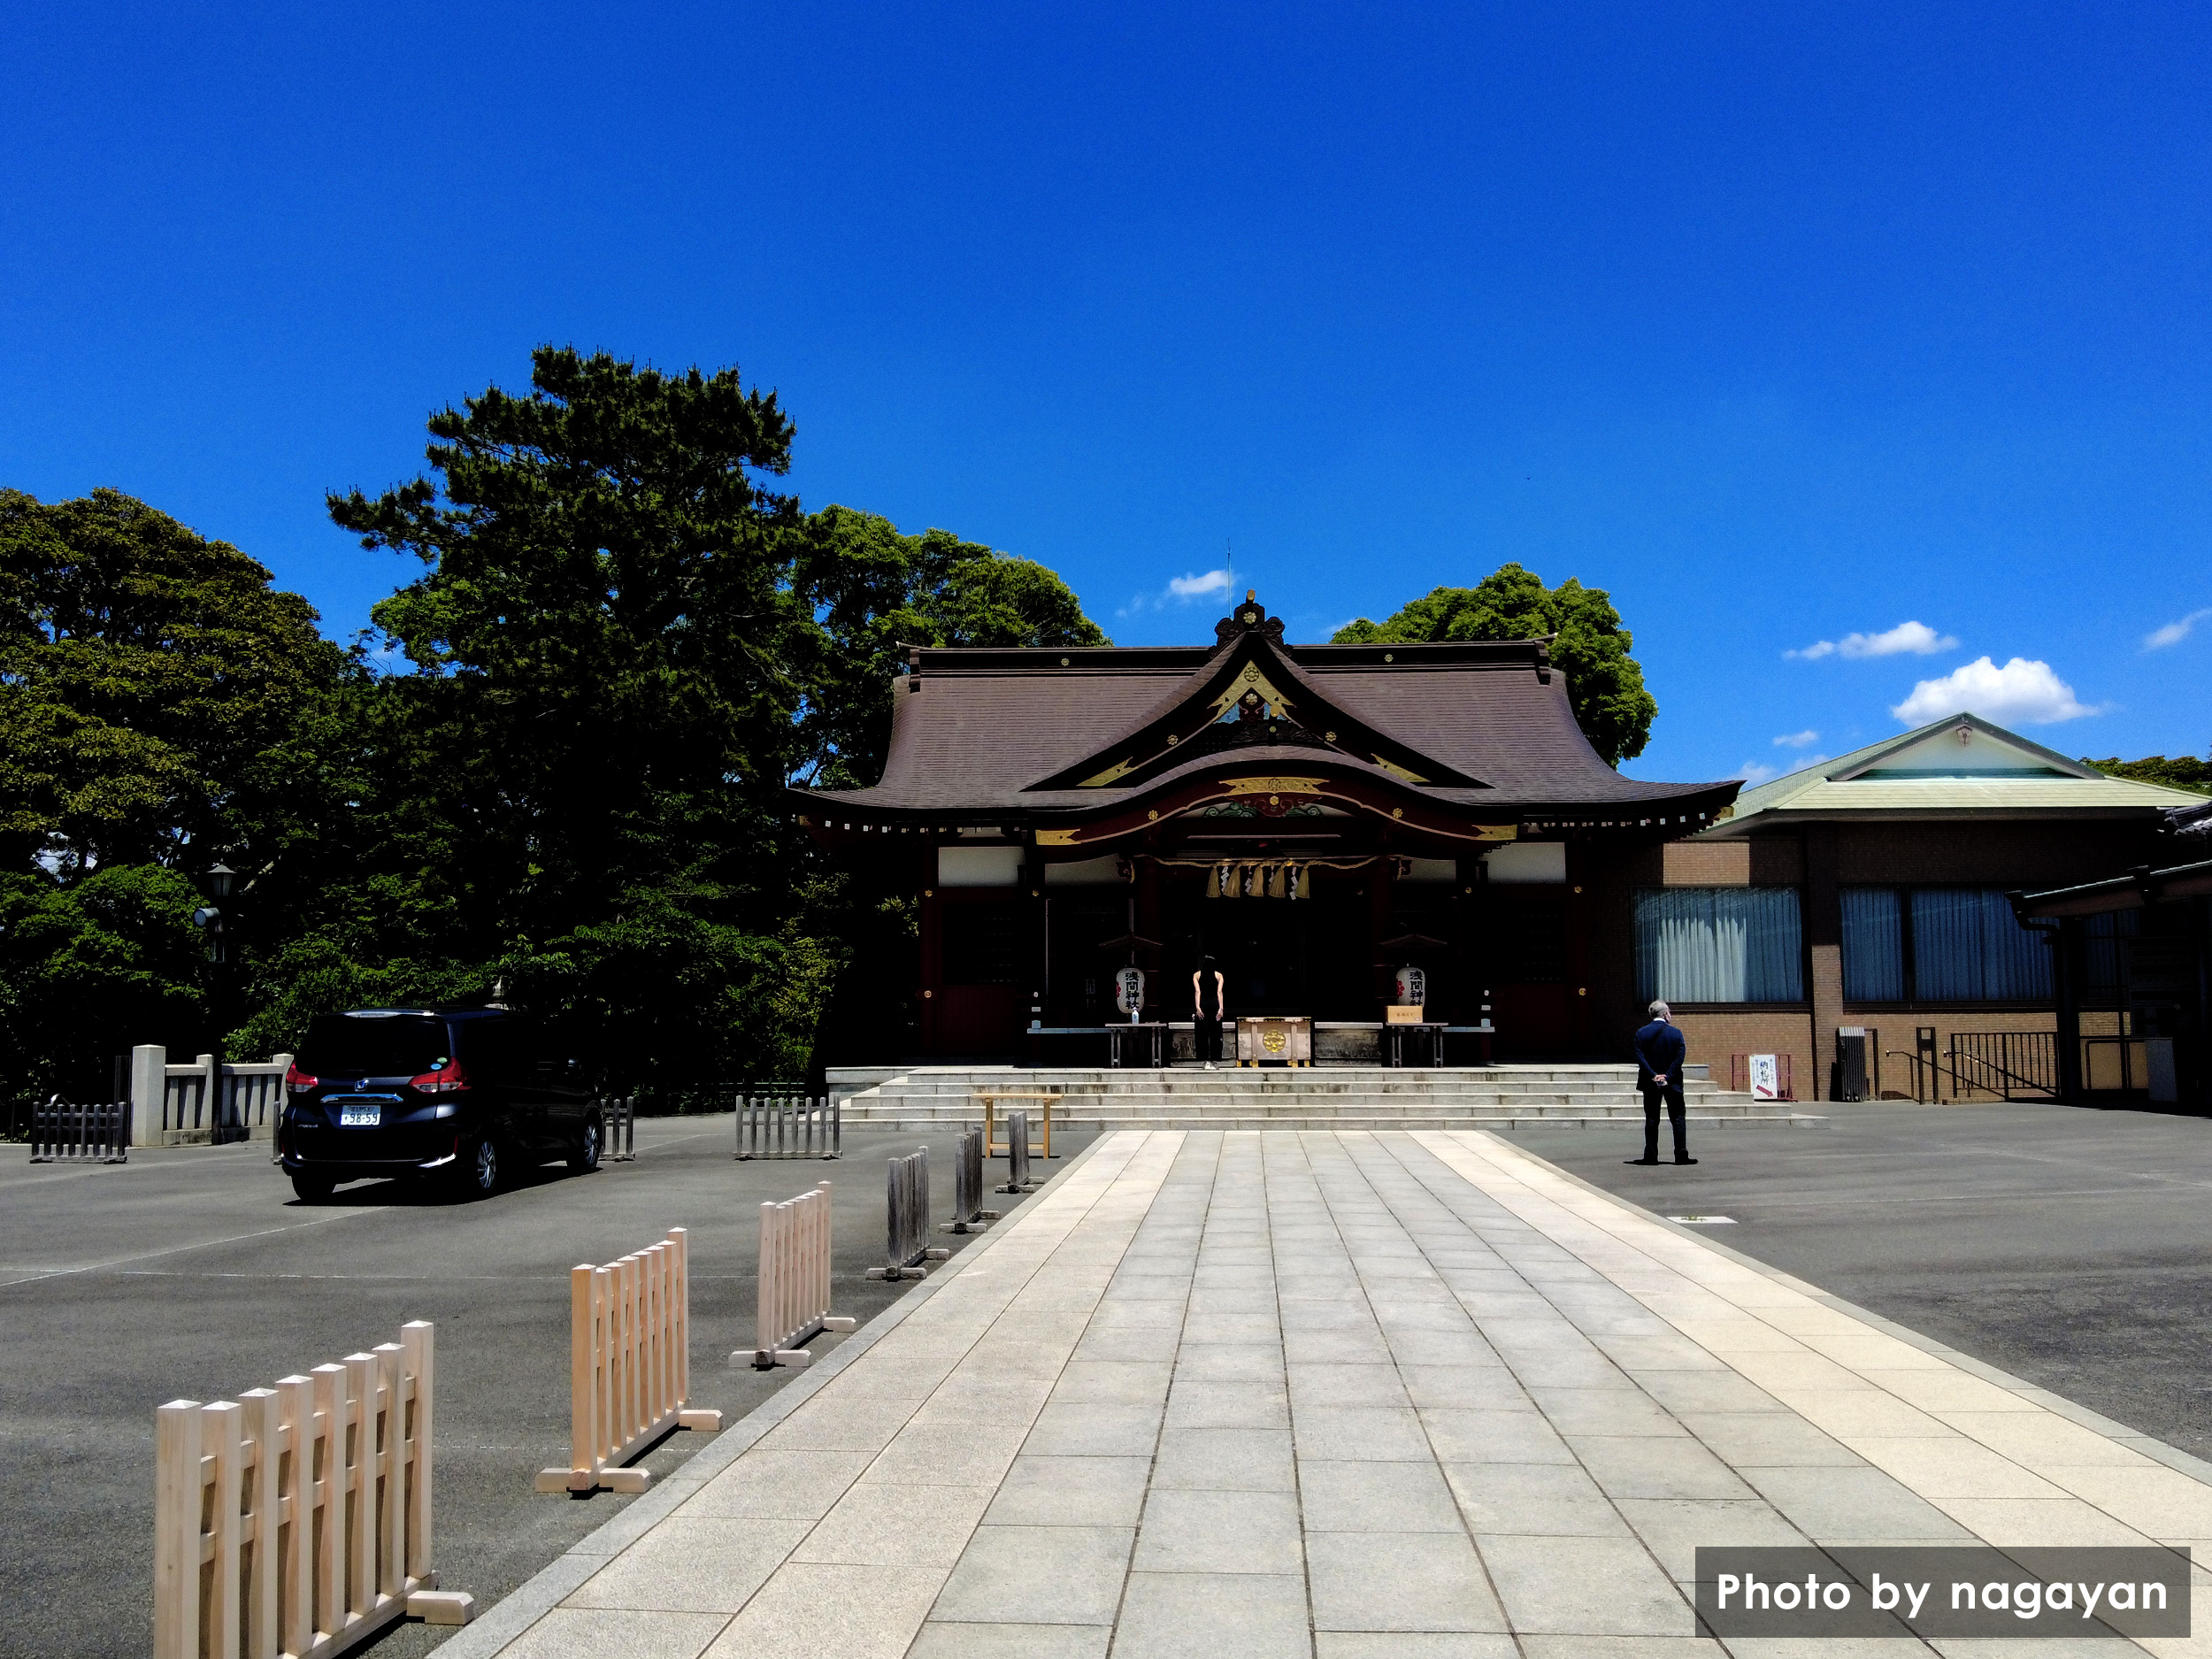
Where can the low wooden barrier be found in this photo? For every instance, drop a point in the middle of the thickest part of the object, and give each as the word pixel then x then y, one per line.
pixel 968 1213
pixel 991 1148
pixel 906 1226
pixel 1018 1176
pixel 629 1366
pixel 295 1521
pixel 789 1126
pixel 618 1122
pixel 794 1281
pixel 63 1131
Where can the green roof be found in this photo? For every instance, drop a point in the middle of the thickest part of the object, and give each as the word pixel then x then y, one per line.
pixel 1959 765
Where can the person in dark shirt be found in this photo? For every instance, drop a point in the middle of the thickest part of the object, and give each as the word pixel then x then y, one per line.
pixel 1660 1051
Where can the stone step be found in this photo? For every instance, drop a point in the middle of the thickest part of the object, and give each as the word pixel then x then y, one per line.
pixel 1323 1120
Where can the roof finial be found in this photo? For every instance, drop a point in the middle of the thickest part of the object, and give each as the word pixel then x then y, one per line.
pixel 1251 594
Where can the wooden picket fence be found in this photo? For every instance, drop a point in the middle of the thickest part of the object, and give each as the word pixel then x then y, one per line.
pixel 789 1126
pixel 295 1522
pixel 906 1250
pixel 618 1124
pixel 968 1213
pixel 629 1366
pixel 795 1279
pixel 65 1131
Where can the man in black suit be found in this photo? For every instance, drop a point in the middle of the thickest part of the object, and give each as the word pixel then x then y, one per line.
pixel 1660 1051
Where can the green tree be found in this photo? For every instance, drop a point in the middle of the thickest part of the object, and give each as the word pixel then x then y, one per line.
pixel 88 969
pixel 581 778
pixel 871 590
pixel 2183 771
pixel 147 677
pixel 1605 685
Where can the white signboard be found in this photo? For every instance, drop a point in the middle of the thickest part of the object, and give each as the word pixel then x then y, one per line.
pixel 1129 990
pixel 1766 1076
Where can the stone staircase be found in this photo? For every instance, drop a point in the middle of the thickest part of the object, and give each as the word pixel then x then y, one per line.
pixel 1319 1097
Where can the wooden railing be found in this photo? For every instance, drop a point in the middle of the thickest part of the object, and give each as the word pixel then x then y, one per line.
pixel 789 1126
pixel 629 1366
pixel 296 1520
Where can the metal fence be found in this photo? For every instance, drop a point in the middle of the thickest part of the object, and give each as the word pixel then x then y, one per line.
pixel 789 1126
pixel 64 1132
pixel 2011 1064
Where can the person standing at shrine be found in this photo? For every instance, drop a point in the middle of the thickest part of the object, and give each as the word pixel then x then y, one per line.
pixel 1660 1052
pixel 1206 988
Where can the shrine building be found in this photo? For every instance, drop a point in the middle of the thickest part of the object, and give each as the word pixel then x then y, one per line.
pixel 1313 818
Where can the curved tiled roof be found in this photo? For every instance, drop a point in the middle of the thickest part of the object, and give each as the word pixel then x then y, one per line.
pixel 979 729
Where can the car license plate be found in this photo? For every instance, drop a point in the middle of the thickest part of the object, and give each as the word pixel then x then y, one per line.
pixel 368 1115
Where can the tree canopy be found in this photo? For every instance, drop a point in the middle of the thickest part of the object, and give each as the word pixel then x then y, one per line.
pixel 1605 685
pixel 147 675
pixel 2182 771
pixel 624 643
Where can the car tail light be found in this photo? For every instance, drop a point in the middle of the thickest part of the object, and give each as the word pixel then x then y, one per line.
pixel 296 1078
pixel 447 1080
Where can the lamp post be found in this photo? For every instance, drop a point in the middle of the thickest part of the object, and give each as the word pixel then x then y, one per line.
pixel 209 920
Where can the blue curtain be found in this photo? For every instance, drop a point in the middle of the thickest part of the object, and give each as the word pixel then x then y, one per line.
pixel 1967 947
pixel 1873 946
pixel 2104 937
pixel 1719 945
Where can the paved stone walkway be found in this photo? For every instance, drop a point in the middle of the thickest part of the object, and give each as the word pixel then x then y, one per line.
pixel 1338 1394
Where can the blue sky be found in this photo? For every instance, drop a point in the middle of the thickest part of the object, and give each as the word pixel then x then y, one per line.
pixel 1785 325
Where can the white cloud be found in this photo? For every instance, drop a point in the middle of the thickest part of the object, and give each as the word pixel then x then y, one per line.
pixel 2173 633
pixel 1797 739
pixel 2022 692
pixel 1183 590
pixel 1756 772
pixel 1189 587
pixel 1916 639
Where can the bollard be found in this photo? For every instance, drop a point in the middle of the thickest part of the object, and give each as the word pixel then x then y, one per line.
pixel 906 1223
pixel 794 1282
pixel 968 1213
pixel 1018 1179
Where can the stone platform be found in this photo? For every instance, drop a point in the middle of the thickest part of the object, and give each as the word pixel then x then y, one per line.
pixel 1307 1097
pixel 1332 1396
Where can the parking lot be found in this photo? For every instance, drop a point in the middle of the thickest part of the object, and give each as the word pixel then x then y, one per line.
pixel 194 1273
pixel 2069 1247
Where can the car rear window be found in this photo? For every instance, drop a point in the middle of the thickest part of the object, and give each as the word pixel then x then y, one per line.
pixel 374 1045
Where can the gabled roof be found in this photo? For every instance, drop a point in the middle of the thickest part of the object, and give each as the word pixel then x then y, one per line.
pixel 1476 730
pixel 1930 772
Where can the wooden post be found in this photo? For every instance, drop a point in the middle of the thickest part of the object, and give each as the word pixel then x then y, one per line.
pixel 391 1469
pixel 263 1431
pixel 221 1440
pixel 293 1488
pixel 419 1338
pixel 177 1530
pixel 327 1612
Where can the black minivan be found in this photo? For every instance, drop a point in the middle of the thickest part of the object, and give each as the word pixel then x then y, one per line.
pixel 454 1094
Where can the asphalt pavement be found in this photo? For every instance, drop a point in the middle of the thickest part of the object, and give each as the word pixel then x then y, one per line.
pixel 194 1273
pixel 2069 1245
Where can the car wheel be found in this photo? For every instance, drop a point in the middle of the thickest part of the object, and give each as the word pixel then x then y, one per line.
pixel 480 1170
pixel 585 1159
pixel 312 1189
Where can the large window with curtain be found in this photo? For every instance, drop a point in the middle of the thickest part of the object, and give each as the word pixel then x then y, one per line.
pixel 1939 945
pixel 1719 945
